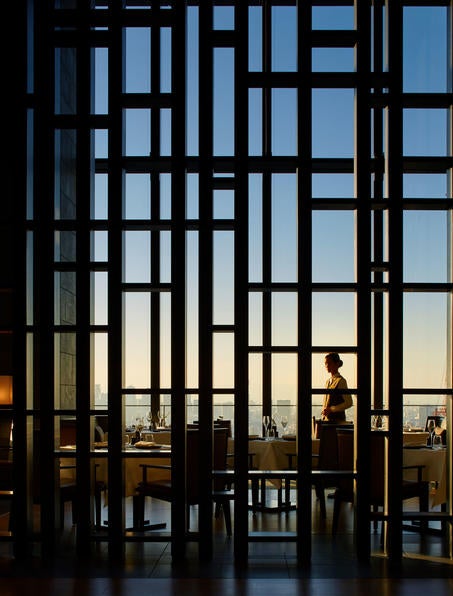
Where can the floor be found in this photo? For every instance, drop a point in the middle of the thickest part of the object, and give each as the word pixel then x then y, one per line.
pixel 426 567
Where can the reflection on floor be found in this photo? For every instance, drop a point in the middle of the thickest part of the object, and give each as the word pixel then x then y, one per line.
pixel 332 559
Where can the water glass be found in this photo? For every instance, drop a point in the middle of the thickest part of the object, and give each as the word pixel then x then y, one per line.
pixel 436 441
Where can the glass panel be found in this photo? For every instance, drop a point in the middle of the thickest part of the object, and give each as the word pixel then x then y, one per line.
pixel 192 309
pixel 65 246
pixel 65 174
pixel 333 60
pixel 138 132
pixel 223 101
pixel 255 228
pixel 334 319
pixel 99 245
pixel 165 339
pixel 284 121
pixel 100 298
pixel 425 246
pixel 425 45
pixel 137 257
pixel 255 318
pixel 101 143
pixel 165 196
pixel 255 39
pixel 99 209
pixel 223 204
pixel 333 17
pixel 100 369
pixel 165 59
pixel 284 380
pixel 425 338
pixel 425 132
pixel 165 132
pixel 284 319
pixel 333 122
pixel 65 81
pixel 255 121
pixel 223 278
pixel 137 199
pixel 224 408
pixel 165 257
pixel 192 80
pixel 137 342
pixel 332 186
pixel 255 393
pixel 138 72
pixel 101 80
pixel 425 186
pixel 223 360
pixel 284 38
pixel 223 17
pixel 333 258
pixel 192 196
pixel 65 298
pixel 65 371
pixel 284 227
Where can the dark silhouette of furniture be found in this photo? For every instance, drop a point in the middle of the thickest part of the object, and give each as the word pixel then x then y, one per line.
pixel 345 490
pixel 162 489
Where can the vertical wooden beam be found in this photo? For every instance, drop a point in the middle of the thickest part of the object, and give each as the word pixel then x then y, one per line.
pixel 394 171
pixel 241 260
pixel 362 167
pixel 304 281
pixel 178 287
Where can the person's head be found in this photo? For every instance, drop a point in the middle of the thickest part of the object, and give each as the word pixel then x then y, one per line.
pixel 333 362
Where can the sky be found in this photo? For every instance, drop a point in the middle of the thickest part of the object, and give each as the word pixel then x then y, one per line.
pixel 425 233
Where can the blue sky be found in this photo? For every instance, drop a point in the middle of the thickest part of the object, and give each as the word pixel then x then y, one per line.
pixel 425 233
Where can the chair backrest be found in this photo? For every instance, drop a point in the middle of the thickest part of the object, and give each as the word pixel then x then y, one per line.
pixel 377 467
pixel 219 459
pixel 328 447
pixel 345 445
pixel 220 423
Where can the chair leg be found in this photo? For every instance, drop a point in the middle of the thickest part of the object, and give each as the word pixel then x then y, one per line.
pixel 255 491
pixel 138 511
pixel 227 516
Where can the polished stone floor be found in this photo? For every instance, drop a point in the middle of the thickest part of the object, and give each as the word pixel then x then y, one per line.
pixel 272 567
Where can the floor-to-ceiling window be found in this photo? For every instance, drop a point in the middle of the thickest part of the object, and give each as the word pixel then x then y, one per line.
pixel 219 194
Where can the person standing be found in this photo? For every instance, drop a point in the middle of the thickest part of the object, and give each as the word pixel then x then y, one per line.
pixel 335 402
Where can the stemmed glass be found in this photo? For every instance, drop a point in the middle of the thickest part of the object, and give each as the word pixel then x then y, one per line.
pixel 266 424
pixel 431 427
pixel 284 421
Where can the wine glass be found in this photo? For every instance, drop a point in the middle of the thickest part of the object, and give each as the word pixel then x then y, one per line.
pixel 431 427
pixel 266 424
pixel 284 421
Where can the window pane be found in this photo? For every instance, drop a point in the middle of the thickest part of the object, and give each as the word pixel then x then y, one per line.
pixel 333 123
pixel 284 319
pixel 284 38
pixel 333 246
pixel 284 227
pixel 138 72
pixel 425 49
pixel 334 319
pixel 425 340
pixel 137 343
pixel 425 246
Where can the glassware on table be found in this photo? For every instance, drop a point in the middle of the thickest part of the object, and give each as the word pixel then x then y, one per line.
pixel 284 421
pixel 266 424
pixel 436 441
pixel 431 428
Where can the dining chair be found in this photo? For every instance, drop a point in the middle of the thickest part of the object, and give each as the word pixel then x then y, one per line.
pixel 163 490
pixel 345 489
pixel 327 459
